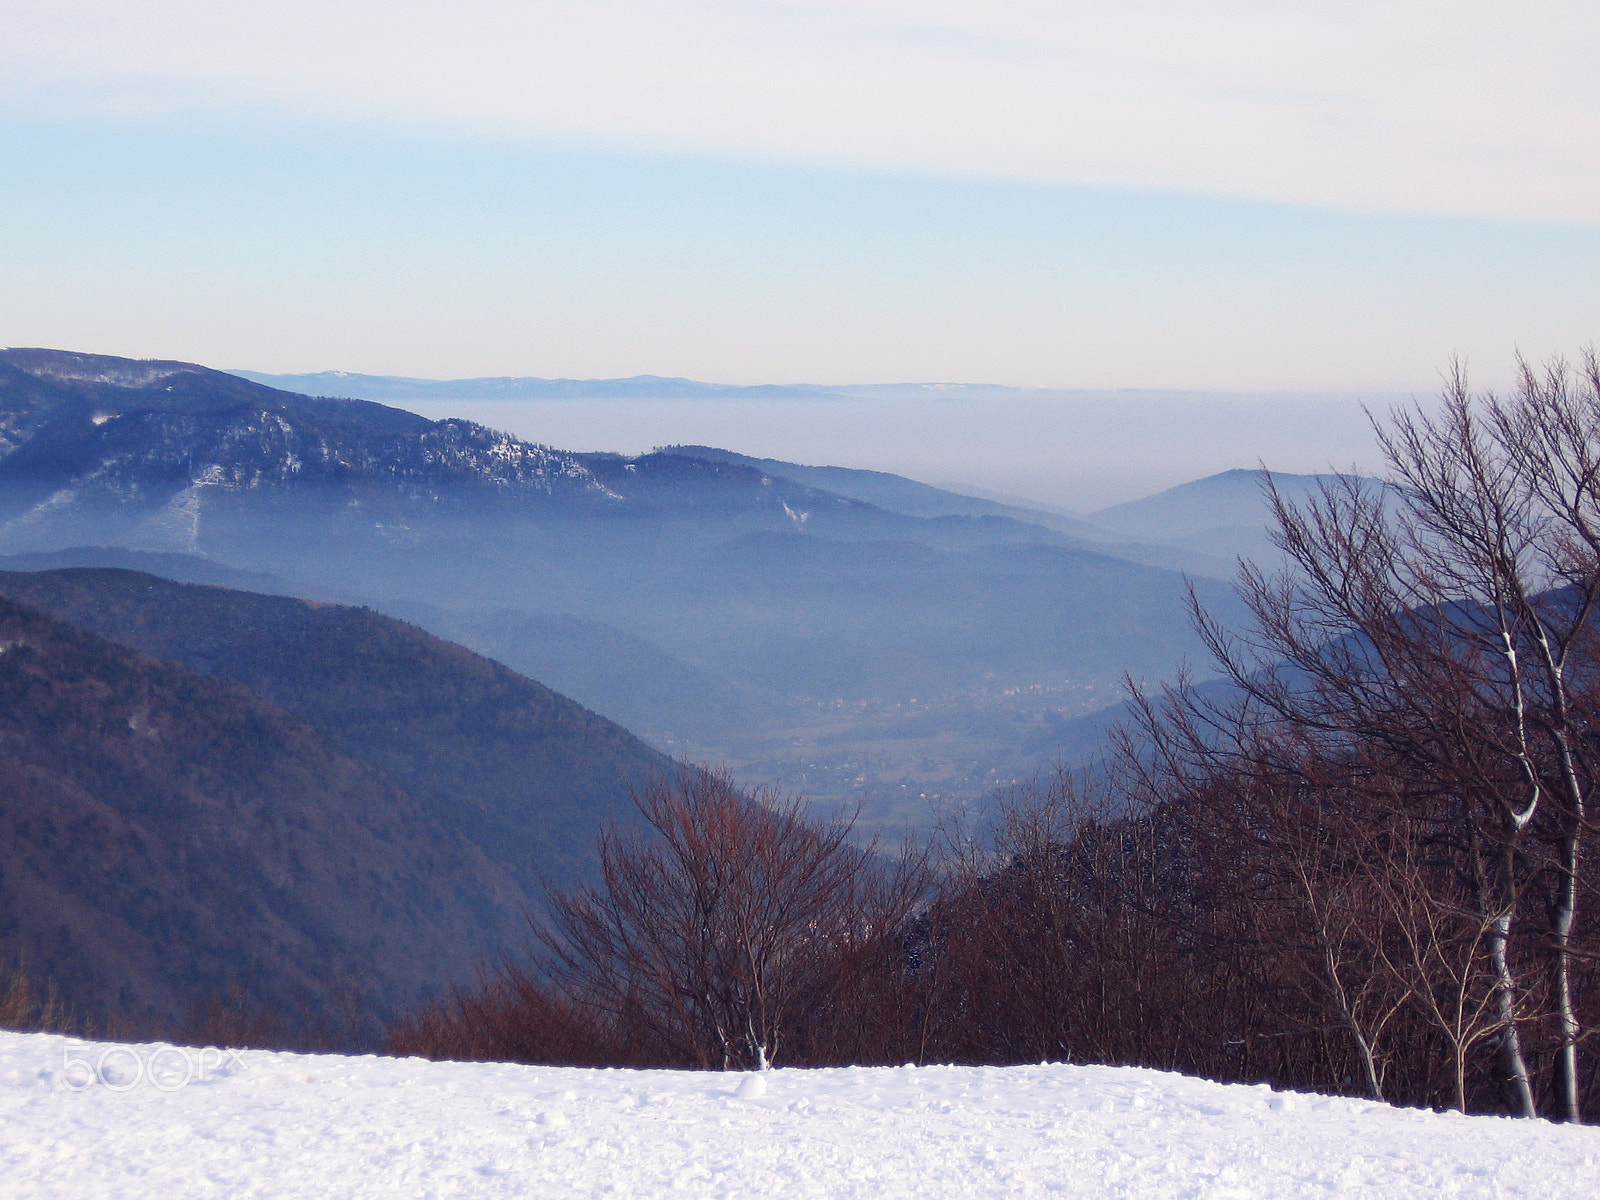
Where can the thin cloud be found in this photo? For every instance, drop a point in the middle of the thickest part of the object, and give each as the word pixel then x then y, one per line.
pixel 1470 109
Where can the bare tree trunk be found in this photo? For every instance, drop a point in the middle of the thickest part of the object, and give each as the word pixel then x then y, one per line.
pixel 1571 851
pixel 1369 1064
pixel 1566 911
pixel 1516 1066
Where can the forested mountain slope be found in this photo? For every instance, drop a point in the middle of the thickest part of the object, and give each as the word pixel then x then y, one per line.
pixel 165 835
pixel 520 771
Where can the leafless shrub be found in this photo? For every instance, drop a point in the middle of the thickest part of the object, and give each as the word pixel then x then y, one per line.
pixel 739 933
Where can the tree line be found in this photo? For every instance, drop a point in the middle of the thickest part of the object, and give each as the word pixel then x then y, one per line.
pixel 1359 862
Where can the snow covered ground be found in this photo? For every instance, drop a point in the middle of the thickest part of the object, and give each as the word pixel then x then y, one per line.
pixel 98 1119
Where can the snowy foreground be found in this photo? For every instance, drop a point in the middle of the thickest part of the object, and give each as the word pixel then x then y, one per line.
pixel 98 1119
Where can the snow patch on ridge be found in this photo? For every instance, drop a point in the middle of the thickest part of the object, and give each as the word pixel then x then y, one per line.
pixel 58 502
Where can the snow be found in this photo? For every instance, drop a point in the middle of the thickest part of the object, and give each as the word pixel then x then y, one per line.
pixel 81 1119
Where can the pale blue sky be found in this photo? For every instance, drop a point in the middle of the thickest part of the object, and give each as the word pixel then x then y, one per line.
pixel 1313 197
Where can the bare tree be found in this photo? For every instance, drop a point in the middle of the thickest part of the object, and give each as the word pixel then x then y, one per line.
pixel 737 934
pixel 1432 646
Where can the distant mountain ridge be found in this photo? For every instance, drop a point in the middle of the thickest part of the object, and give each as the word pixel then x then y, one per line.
pixel 179 568
pixel 1230 498
pixel 886 490
pixel 95 449
pixel 1223 515
pixel 525 387
pixel 899 494
pixel 660 387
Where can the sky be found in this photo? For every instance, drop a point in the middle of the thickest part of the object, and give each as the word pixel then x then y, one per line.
pixel 1246 195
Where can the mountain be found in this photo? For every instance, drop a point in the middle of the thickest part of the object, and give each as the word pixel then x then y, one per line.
pixel 1226 515
pixel 615 674
pixel 181 568
pixel 400 388
pixel 503 761
pixel 140 452
pixel 667 701
pixel 861 653
pixel 174 456
pixel 893 492
pixel 319 795
pixel 164 834
pixel 898 494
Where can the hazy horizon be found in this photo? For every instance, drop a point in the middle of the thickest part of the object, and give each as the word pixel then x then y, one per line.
pixel 1077 450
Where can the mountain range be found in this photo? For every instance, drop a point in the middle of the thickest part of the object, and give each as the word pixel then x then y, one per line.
pixel 857 636
pixel 400 388
pixel 309 694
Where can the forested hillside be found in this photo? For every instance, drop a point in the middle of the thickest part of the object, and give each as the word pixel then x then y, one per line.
pixel 521 771
pixel 166 836
pixel 312 805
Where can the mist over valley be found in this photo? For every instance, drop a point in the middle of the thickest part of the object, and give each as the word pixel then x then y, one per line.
pixel 870 641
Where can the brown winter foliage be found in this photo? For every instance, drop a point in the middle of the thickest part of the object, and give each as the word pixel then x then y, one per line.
pixel 739 934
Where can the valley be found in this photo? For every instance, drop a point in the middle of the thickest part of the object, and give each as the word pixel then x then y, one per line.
pixel 902 767
pixel 868 640
pixel 496 644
